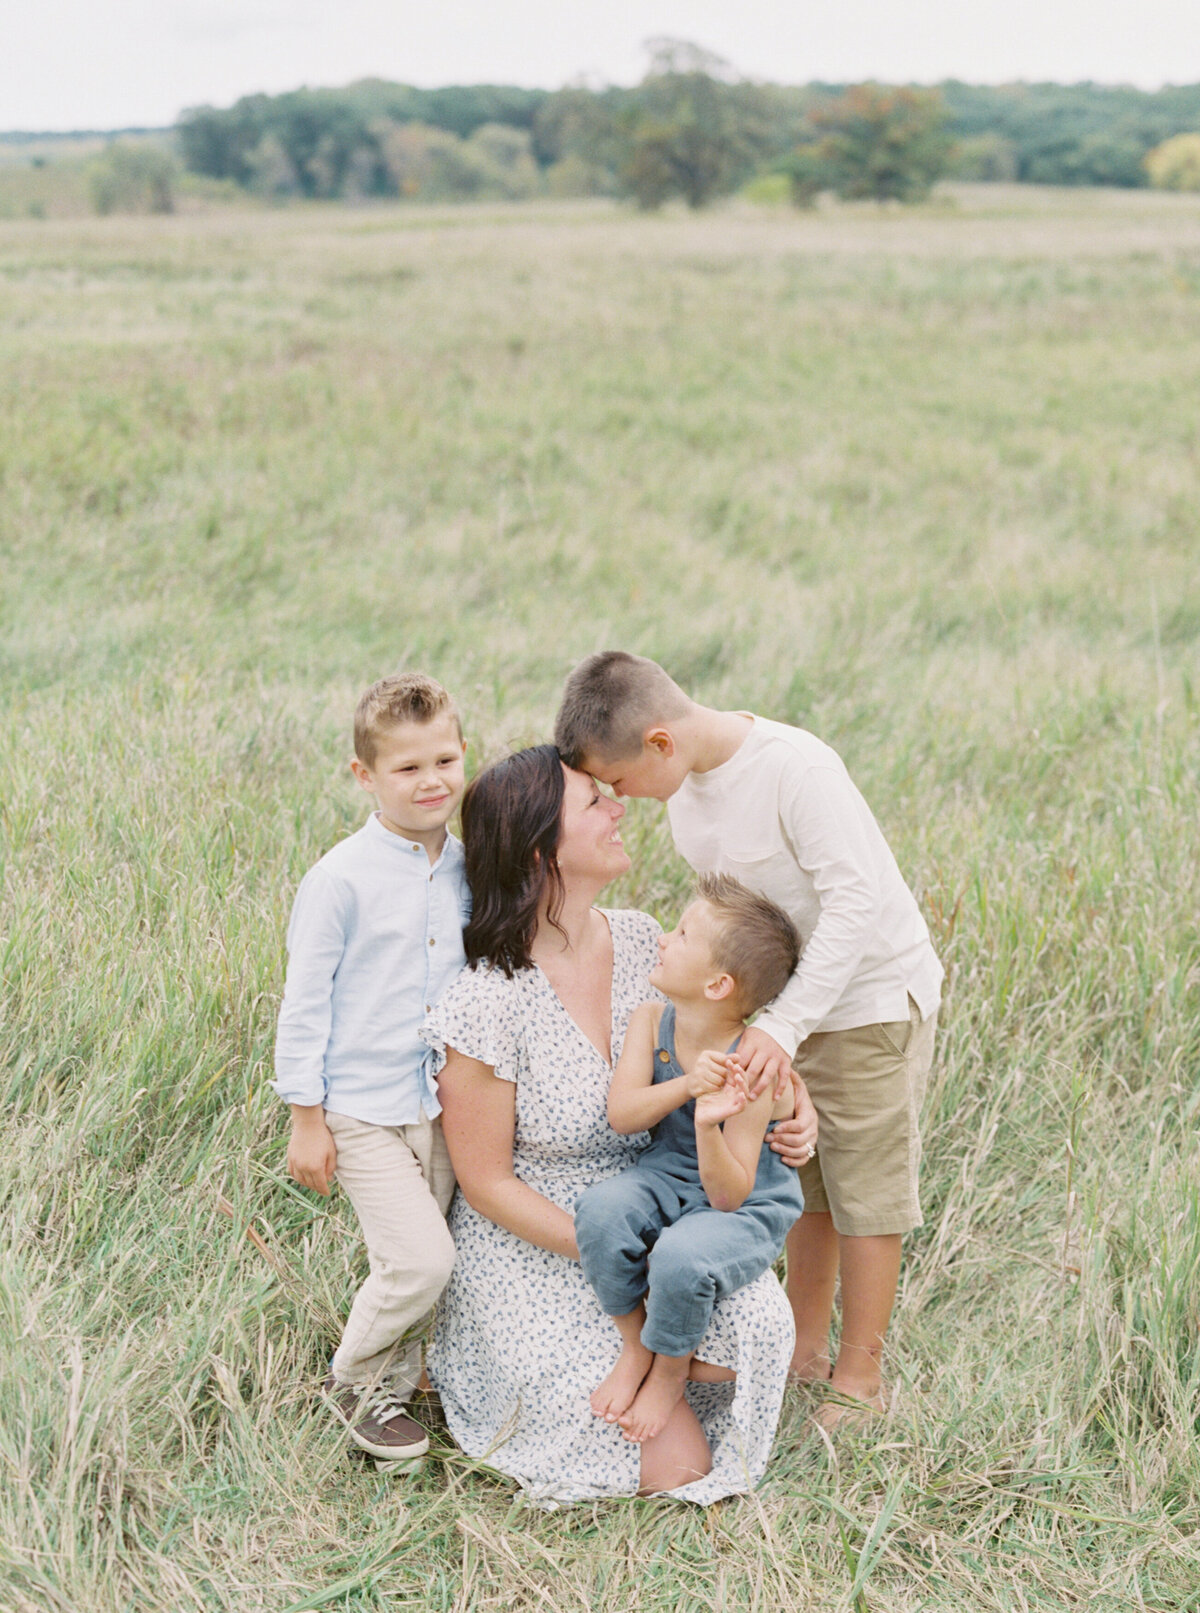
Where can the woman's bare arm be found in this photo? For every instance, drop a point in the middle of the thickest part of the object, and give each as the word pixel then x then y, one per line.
pixel 479 1120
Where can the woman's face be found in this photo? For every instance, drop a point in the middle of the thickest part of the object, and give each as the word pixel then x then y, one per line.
pixel 589 837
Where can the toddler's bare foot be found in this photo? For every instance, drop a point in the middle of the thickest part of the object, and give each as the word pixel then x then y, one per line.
pixel 614 1396
pixel 654 1402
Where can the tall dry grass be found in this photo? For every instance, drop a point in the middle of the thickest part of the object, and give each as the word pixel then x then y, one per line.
pixel 925 482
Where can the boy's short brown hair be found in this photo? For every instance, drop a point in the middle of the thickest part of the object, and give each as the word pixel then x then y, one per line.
pixel 754 941
pixel 403 697
pixel 609 702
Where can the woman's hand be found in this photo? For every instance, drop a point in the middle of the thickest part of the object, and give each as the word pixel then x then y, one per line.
pixel 708 1074
pixel 795 1140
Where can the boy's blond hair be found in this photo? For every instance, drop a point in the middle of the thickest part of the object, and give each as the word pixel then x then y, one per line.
pixel 403 697
pixel 754 940
pixel 609 702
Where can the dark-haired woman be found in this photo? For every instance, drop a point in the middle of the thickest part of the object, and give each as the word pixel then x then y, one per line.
pixel 530 1031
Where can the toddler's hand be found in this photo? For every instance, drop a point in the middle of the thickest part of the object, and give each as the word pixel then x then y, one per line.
pixel 707 1074
pixel 713 1108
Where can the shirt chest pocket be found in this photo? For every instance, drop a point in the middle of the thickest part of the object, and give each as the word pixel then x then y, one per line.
pixel 772 871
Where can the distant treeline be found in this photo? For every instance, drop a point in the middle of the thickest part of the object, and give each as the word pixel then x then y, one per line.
pixel 687 129
pixel 1065 134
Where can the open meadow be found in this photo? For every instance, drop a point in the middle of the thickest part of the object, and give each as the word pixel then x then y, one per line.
pixel 925 481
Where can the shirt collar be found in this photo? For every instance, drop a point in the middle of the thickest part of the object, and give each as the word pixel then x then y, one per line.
pixel 451 851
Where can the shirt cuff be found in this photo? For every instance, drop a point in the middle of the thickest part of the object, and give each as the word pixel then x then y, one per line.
pixel 304 1094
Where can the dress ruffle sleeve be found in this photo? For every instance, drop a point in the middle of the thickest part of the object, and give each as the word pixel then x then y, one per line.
pixel 479 1016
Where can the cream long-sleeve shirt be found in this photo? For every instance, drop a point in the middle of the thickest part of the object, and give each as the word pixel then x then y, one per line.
pixel 783 816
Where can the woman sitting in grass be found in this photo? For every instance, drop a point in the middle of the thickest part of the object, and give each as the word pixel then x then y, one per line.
pixel 530 1031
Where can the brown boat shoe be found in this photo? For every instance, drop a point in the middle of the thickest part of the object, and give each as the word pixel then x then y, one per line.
pixel 376 1421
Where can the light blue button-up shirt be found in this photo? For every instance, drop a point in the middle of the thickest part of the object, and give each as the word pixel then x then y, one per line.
pixel 375 938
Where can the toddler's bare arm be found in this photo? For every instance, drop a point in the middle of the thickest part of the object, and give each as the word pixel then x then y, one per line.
pixel 730 1127
pixel 635 1101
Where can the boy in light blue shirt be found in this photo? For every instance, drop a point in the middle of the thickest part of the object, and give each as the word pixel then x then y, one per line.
pixel 375 938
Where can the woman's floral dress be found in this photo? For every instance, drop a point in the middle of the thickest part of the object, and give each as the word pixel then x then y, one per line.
pixel 520 1341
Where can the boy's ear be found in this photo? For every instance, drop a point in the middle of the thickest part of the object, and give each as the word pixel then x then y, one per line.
pixel 660 740
pixel 363 774
pixel 720 987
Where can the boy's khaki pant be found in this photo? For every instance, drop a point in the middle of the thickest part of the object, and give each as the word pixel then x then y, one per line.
pixel 399 1180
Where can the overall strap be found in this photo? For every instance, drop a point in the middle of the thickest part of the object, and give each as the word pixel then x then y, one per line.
pixel 664 1042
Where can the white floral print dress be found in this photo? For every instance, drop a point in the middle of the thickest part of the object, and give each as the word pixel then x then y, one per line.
pixel 520 1341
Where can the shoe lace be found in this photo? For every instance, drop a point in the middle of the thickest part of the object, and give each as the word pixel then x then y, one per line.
pixel 382 1404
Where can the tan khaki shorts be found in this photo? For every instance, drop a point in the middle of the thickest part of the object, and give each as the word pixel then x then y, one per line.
pixel 867 1085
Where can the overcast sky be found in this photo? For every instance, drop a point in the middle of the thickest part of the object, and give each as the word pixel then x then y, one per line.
pixel 100 64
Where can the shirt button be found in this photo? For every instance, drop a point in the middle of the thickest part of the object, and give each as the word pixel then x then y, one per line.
pixel 431 940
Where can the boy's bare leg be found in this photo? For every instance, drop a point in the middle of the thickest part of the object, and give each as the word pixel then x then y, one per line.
pixel 656 1400
pixel 614 1396
pixel 812 1268
pixel 870 1273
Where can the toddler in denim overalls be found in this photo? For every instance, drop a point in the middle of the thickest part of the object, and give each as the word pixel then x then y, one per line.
pixel 706 1208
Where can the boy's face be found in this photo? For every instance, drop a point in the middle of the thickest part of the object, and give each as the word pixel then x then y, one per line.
pixel 416 778
pixel 656 771
pixel 685 955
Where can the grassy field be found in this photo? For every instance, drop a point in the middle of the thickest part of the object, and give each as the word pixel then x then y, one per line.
pixel 923 481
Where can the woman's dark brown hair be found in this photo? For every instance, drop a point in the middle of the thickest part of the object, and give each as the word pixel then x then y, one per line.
pixel 511 815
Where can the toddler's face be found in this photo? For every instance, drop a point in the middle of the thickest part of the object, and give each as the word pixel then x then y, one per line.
pixel 685 959
pixel 417 777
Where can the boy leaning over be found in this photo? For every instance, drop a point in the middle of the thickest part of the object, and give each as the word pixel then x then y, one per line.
pixel 375 937
pixel 774 806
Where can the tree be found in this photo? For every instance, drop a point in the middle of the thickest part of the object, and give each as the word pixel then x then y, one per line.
pixel 271 171
pixel 577 142
pixel 429 163
pixel 989 158
pixel 885 144
pixel 507 156
pixel 1175 165
pixel 686 131
pixel 133 177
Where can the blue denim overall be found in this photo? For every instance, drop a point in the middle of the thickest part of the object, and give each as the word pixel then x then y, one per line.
pixel 652 1227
